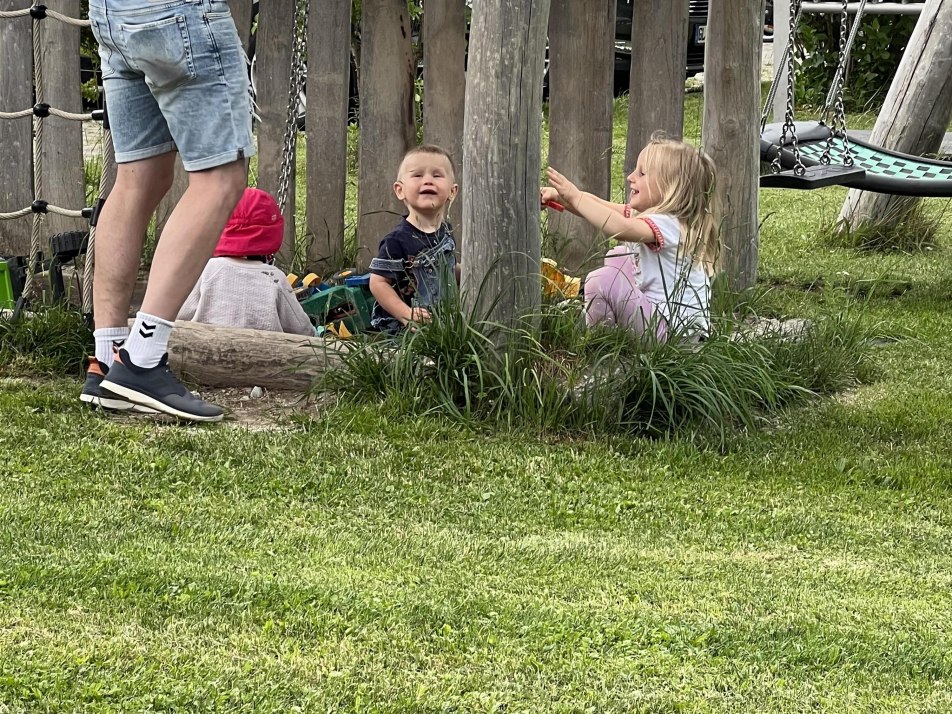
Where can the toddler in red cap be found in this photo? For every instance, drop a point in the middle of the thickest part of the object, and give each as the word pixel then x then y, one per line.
pixel 239 287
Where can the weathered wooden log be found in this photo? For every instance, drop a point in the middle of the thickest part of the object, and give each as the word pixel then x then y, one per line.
pixel 444 82
pixel 659 41
pixel 16 93
pixel 273 74
pixel 328 90
pixel 502 158
pixel 387 122
pixel 62 138
pixel 914 116
pixel 580 114
pixel 731 133
pixel 241 12
pixel 215 356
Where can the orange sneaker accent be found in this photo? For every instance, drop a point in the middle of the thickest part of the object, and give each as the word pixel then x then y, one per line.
pixel 94 368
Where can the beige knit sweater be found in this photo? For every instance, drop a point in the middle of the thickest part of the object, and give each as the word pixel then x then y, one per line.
pixel 235 292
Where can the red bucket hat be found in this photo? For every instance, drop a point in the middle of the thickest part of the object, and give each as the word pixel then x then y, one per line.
pixel 256 227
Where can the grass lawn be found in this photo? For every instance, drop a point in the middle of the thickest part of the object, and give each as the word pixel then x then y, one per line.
pixel 359 562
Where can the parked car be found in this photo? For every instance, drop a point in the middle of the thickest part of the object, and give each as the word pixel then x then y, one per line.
pixel 697 37
pixel 697 28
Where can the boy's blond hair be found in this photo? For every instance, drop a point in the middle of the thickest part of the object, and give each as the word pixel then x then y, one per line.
pixel 427 149
pixel 685 179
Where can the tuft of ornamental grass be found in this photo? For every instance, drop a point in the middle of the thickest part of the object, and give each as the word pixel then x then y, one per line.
pixel 552 375
pixel 54 339
pixel 909 228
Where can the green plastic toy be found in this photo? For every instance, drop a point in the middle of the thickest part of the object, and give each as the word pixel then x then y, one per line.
pixel 351 305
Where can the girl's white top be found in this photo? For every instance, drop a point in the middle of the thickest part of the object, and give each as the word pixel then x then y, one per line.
pixel 678 287
pixel 234 292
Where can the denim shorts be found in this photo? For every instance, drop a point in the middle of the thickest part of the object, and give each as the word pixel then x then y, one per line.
pixel 176 78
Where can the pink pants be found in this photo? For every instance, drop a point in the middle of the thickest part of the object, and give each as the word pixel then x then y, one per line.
pixel 613 298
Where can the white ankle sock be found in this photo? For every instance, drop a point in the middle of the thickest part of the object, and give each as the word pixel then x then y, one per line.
pixel 109 339
pixel 148 340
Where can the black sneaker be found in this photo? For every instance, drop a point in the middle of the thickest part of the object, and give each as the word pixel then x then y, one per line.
pixel 157 388
pixel 93 394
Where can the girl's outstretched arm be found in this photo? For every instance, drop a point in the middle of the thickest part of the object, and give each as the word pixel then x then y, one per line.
pixel 615 220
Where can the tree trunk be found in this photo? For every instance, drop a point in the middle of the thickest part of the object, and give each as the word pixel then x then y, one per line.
pixel 273 47
pixel 659 43
pixel 235 357
pixel 502 158
pixel 580 115
pixel 444 86
pixel 387 122
pixel 62 138
pixel 731 132
pixel 914 116
pixel 16 169
pixel 328 89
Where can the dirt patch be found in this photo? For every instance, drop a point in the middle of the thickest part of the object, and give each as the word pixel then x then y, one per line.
pixel 258 409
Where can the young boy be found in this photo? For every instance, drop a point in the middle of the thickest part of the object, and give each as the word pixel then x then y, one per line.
pixel 416 261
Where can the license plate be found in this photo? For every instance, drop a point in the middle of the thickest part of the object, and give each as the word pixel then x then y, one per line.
pixel 700 34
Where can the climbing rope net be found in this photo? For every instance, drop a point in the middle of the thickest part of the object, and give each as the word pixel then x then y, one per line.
pixel 40 207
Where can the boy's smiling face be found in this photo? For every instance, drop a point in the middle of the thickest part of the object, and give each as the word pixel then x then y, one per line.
pixel 426 183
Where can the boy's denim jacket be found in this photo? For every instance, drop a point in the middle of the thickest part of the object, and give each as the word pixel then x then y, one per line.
pixel 433 271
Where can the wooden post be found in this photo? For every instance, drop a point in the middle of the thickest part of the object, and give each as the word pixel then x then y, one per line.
pixel 444 86
pixel 273 47
pixel 782 30
pixel 16 93
pixel 731 133
pixel 62 138
pixel 387 122
pixel 328 89
pixel 581 77
pixel 659 42
pixel 502 158
pixel 241 12
pixel 914 115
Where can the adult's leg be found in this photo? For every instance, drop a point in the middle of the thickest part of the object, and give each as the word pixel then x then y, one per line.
pixel 190 236
pixel 139 187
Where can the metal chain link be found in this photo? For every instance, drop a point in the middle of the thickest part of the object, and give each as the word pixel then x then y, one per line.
pixel 838 119
pixel 788 119
pixel 296 85
pixel 775 84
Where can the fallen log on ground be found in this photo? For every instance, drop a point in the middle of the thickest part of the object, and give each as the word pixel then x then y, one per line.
pixel 215 356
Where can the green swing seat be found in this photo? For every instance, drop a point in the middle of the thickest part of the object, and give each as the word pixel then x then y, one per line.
pixel 874 168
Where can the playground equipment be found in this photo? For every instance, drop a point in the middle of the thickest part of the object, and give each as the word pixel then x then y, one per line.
pixel 809 155
pixel 12 277
pixel 64 247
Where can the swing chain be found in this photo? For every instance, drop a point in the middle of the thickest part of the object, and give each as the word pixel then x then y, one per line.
pixel 838 120
pixel 296 85
pixel 788 120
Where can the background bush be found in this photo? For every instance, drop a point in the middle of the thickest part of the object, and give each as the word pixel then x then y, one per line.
pixel 873 62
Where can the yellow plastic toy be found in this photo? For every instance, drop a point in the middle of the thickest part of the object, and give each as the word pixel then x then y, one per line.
pixel 339 330
pixel 557 284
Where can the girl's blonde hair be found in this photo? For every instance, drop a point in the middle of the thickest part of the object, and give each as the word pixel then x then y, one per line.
pixel 685 179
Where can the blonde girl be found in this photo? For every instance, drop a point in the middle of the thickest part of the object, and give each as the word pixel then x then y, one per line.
pixel 668 226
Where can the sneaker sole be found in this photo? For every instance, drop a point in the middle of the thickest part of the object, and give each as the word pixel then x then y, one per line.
pixel 115 405
pixel 140 399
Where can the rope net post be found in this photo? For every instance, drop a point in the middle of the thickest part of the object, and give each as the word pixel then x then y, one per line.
pixel 40 111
